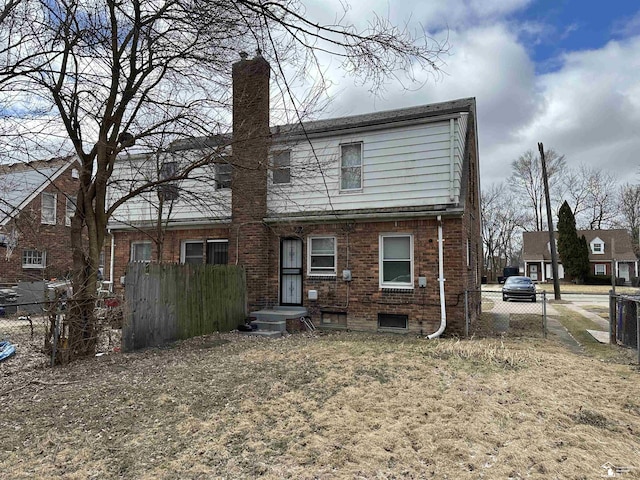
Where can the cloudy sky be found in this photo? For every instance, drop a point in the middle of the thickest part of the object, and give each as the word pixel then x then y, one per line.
pixel 562 72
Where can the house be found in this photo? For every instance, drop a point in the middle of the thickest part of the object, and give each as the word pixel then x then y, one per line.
pixel 37 200
pixel 368 222
pixel 609 250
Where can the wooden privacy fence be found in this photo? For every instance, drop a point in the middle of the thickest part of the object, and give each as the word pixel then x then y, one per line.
pixel 168 302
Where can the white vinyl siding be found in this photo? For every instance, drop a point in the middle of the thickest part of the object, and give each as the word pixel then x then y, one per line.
pixel 401 167
pixel 48 208
pixel 321 256
pixel 396 260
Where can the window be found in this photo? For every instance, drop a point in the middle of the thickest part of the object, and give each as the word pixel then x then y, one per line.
pixel 217 252
pixel 34 259
pixel 223 175
pixel 192 251
pixel 48 211
pixel 396 261
pixel 282 167
pixel 597 248
pixel 70 209
pixel 321 258
pixel 169 190
pixel 392 321
pixel 601 269
pixel 351 167
pixel 141 252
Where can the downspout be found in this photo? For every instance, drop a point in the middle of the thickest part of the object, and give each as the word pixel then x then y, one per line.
pixel 112 260
pixel 443 308
pixel 452 147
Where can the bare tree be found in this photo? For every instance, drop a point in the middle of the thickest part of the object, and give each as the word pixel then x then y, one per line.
pixel 592 195
pixel 526 176
pixel 119 76
pixel 629 208
pixel 502 224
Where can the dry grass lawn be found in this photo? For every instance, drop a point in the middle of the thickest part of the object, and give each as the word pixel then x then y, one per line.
pixel 340 405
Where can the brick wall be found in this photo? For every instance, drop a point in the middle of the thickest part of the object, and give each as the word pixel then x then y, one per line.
pixel 173 240
pixel 251 138
pixel 362 299
pixel 53 239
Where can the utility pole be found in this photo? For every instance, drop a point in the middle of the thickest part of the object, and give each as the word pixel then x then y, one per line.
pixel 552 240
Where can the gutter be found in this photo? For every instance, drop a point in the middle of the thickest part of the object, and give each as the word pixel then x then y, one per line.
pixel 441 280
pixel 381 216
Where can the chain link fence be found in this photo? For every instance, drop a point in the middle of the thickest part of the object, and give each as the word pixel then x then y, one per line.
pixel 36 317
pixel 508 317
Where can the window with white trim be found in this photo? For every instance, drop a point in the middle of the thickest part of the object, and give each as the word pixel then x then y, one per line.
pixel 351 167
pixel 70 209
pixel 223 175
pixel 600 269
pixel 34 259
pixel 396 260
pixel 169 190
pixel 48 209
pixel 217 252
pixel 598 248
pixel 321 256
pixel 282 167
pixel 192 251
pixel 141 251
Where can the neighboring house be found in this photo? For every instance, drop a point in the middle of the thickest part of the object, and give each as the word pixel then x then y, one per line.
pixel 370 222
pixel 37 200
pixel 609 250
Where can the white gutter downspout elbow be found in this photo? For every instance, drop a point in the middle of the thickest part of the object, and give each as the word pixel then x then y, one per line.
pixel 443 307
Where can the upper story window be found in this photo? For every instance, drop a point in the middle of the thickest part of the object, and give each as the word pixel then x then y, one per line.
pixel 48 210
pixel 70 209
pixel 141 251
pixel 351 167
pixel 321 258
pixel 34 259
pixel 597 246
pixel 282 167
pixel 396 261
pixel 168 190
pixel 223 175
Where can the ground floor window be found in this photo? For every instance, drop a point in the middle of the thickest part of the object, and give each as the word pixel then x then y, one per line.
pixel 141 252
pixel 393 321
pixel 217 252
pixel 396 261
pixel 601 269
pixel 322 256
pixel 33 259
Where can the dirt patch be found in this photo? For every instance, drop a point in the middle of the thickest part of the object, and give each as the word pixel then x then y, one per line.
pixel 341 405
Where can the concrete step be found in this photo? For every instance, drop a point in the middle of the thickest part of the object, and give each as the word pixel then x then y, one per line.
pixel 279 313
pixel 271 325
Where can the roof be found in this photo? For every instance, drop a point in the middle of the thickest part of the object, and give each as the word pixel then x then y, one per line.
pixel 420 113
pixel 534 245
pixel 369 120
pixel 20 183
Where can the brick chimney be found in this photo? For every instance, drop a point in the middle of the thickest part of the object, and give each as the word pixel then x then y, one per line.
pixel 250 147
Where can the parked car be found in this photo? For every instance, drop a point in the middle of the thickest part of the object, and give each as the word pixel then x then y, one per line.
pixel 519 288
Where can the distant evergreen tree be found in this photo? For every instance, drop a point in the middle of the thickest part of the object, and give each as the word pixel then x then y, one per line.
pixel 572 250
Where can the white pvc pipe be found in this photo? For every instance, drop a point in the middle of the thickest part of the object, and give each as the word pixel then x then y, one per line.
pixel 112 260
pixel 443 307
